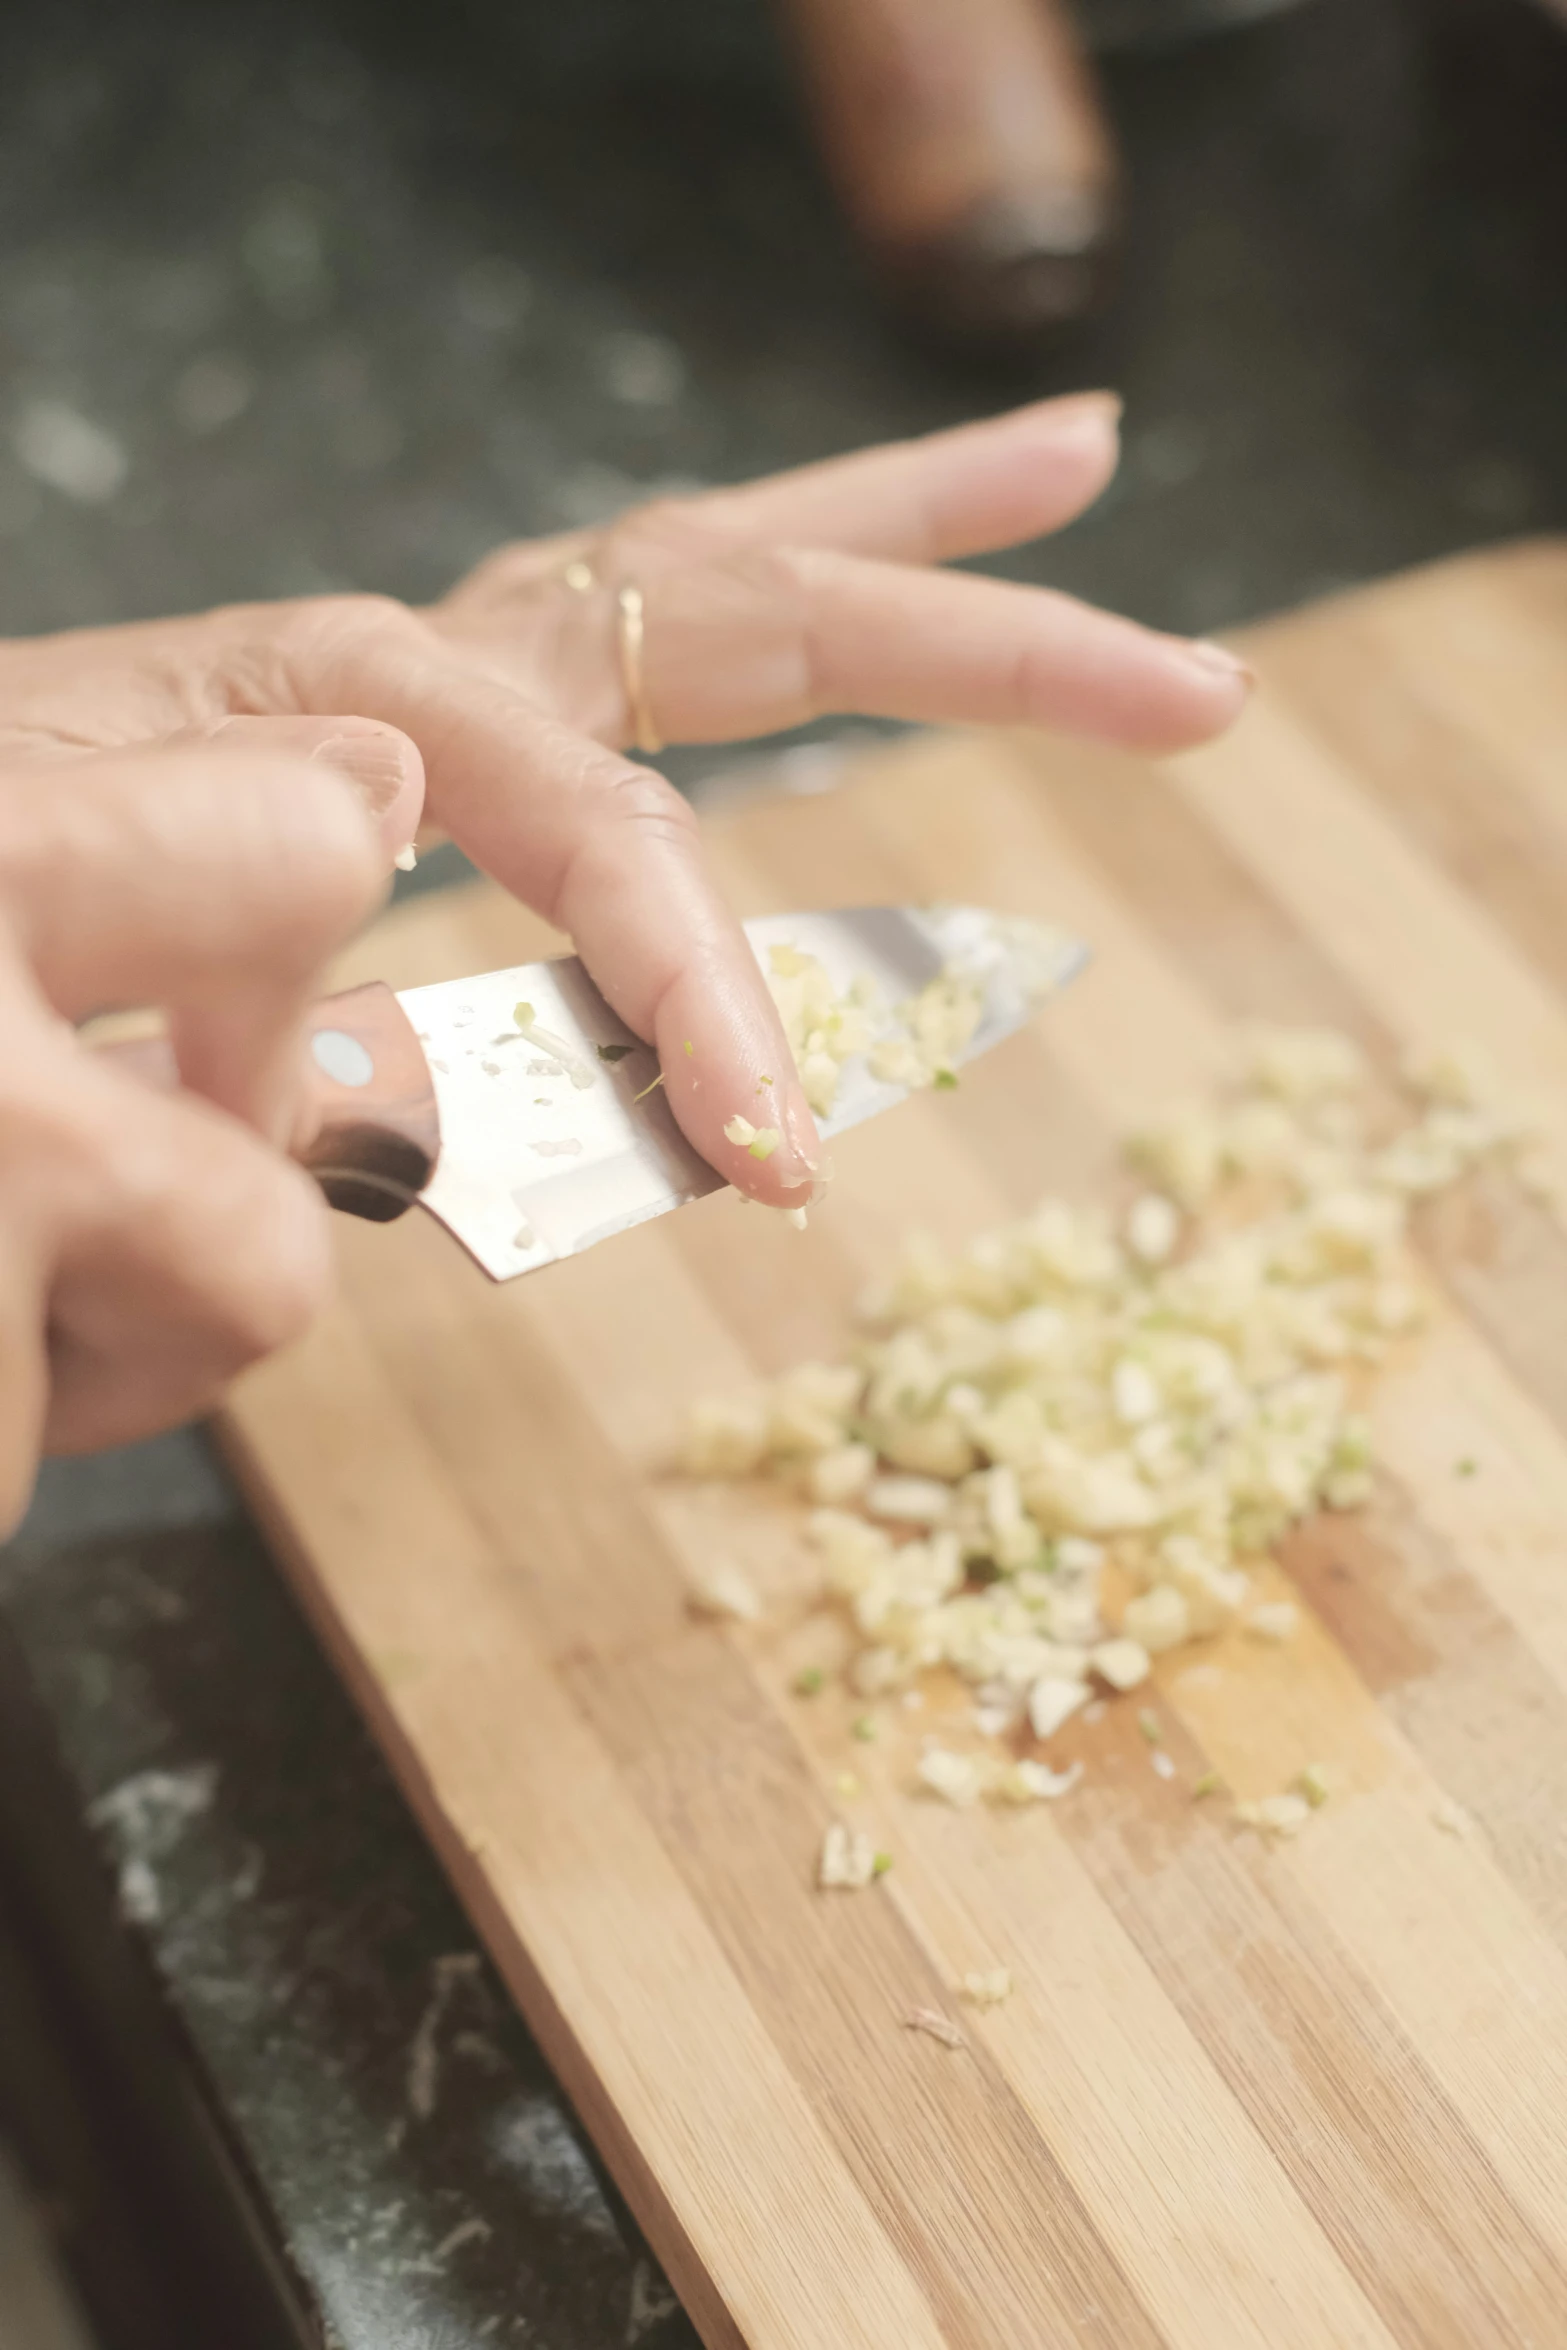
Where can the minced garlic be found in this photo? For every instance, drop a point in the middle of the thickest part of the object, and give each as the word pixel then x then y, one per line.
pixel 1275 1815
pixel 955 1777
pixel 1123 1663
pixel 1066 1447
pixel 987 1987
pixel 1052 1701
pixel 841 1475
pixel 560 1056
pixel 724 1591
pixel 934 2025
pixel 914 1044
pixel 1153 1226
pixel 760 1141
pixel 848 1860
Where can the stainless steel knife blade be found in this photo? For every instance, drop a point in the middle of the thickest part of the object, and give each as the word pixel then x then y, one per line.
pixel 551 1140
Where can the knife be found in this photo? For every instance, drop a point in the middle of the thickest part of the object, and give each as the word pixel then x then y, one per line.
pixel 533 1142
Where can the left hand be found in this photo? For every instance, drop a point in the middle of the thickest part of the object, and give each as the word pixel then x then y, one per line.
pixel 767 605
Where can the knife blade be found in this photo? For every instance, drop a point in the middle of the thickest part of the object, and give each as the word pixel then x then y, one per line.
pixel 533 1139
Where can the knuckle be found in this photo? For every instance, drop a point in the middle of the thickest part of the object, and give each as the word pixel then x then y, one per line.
pixel 616 801
pixel 363 614
pixel 502 572
pixel 780 579
pixel 636 796
pixel 666 525
pixel 315 647
pixel 346 619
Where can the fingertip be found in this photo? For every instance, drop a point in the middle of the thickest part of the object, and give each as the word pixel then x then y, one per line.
pixel 1216 660
pixel 735 1093
pixel 384 765
pixel 1171 695
pixel 1217 685
pixel 799 1158
pixel 786 1175
pixel 1087 416
pixel 1067 412
pixel 386 770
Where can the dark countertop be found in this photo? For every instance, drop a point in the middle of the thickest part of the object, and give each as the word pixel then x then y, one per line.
pixel 418 2175
pixel 352 293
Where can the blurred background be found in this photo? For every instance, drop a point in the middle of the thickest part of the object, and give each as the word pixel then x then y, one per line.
pixel 306 295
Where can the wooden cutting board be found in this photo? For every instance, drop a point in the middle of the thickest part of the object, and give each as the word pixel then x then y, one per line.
pixel 1301 2098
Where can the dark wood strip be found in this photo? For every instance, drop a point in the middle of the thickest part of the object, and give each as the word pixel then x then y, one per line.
pixel 1458 1680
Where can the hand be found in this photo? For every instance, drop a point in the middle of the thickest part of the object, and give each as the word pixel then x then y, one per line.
pixel 765 606
pixel 152 1244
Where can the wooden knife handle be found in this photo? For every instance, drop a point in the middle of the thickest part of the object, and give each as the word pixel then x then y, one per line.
pixel 378 1134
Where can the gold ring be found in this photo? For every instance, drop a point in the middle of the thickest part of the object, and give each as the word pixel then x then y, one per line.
pixel 579 576
pixel 628 605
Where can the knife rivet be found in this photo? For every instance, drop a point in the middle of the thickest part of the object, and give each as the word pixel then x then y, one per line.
pixel 341 1057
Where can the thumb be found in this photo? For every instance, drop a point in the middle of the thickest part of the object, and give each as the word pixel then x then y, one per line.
pixel 381 762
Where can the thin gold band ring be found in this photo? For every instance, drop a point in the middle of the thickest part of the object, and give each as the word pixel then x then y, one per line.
pixel 630 615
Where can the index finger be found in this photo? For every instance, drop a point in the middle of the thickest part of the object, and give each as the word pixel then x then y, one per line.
pixel 612 855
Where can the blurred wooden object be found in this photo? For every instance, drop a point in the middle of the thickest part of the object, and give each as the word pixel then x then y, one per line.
pixel 1306 2097
pixel 968 145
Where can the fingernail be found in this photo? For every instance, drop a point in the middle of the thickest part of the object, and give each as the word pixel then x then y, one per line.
pixel 794 1171
pixel 808 1193
pixel 1219 661
pixel 1093 422
pixel 1108 405
pixel 799 1152
pixel 372 762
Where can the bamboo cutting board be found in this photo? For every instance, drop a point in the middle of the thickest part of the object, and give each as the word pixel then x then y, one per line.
pixel 1311 2097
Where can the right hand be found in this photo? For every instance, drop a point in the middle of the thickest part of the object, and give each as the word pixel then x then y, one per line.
pixel 767 604
pixel 152 1244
